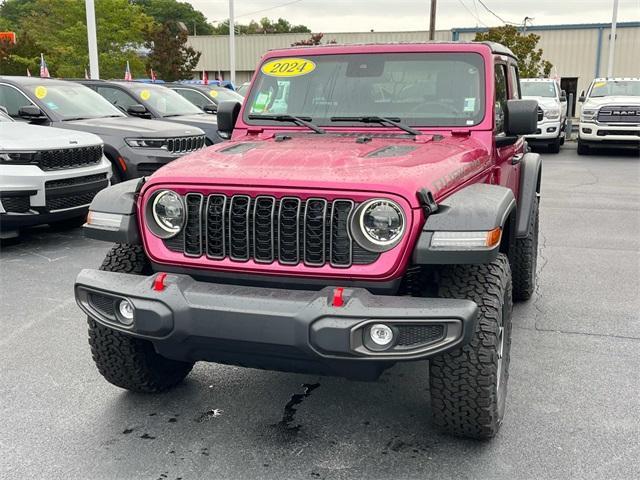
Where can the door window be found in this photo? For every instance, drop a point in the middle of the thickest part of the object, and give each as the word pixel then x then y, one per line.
pixel 194 97
pixel 515 82
pixel 501 97
pixel 12 99
pixel 117 97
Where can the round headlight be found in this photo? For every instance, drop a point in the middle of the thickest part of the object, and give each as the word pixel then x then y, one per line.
pixel 168 213
pixel 379 225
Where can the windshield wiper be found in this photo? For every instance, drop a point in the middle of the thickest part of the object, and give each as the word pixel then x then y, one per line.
pixel 71 119
pixel 375 119
pixel 304 121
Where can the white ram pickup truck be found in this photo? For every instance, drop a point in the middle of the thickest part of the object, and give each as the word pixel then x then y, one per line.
pixel 552 112
pixel 47 175
pixel 610 115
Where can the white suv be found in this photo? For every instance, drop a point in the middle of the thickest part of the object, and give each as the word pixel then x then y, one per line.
pixel 610 114
pixel 47 175
pixel 552 112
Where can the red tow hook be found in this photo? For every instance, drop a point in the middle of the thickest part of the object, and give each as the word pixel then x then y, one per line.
pixel 338 299
pixel 158 283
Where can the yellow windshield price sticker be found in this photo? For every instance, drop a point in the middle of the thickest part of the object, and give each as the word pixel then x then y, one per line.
pixel 213 93
pixel 288 67
pixel 599 84
pixel 41 92
pixel 145 94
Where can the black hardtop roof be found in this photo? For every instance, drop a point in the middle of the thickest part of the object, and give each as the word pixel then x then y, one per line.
pixel 495 47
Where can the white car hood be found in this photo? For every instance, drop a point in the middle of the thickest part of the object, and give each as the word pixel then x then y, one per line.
pixel 595 102
pixel 24 136
pixel 544 102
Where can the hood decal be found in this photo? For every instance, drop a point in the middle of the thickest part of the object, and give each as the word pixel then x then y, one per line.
pixel 240 148
pixel 391 151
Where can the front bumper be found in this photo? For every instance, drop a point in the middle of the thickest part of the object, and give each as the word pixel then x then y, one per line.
pixel 602 134
pixel 278 329
pixel 546 131
pixel 142 162
pixel 32 196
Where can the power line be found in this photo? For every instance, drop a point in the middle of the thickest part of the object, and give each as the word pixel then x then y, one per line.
pixel 472 14
pixel 270 8
pixel 495 14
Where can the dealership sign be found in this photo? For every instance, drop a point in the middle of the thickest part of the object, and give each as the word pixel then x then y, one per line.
pixel 9 37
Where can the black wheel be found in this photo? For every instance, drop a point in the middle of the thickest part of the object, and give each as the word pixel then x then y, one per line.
pixel 469 385
pixel 554 147
pixel 582 148
pixel 525 259
pixel 123 360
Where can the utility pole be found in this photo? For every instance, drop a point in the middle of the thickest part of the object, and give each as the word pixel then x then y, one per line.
pixel 612 40
pixel 232 44
pixel 94 69
pixel 432 21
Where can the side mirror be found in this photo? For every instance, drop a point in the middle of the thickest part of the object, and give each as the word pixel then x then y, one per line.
pixel 582 98
pixel 210 108
pixel 521 119
pixel 138 111
pixel 563 96
pixel 31 113
pixel 227 115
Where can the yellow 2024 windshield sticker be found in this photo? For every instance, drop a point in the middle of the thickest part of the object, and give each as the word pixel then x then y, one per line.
pixel 288 67
pixel 145 94
pixel 213 93
pixel 40 92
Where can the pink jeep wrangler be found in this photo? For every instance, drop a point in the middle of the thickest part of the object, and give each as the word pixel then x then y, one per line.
pixel 375 204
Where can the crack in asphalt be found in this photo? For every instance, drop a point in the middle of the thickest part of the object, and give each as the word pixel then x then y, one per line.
pixel 290 408
pixel 573 332
pixel 538 293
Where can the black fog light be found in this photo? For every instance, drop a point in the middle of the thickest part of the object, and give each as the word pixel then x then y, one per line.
pixel 551 129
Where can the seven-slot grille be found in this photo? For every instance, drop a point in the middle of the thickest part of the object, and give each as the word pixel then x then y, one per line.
pixel 265 229
pixel 185 144
pixel 69 157
pixel 622 114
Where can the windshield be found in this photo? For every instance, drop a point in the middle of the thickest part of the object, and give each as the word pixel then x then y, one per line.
pixel 73 101
pixel 538 89
pixel 222 94
pixel 166 102
pixel 615 87
pixel 424 89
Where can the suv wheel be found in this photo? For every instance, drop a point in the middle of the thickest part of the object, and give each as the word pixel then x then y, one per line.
pixel 525 259
pixel 469 385
pixel 123 360
pixel 582 148
pixel 554 147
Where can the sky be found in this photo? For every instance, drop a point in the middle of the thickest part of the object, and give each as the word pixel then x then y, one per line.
pixel 407 15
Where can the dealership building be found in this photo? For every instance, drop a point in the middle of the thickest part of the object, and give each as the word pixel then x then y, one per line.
pixel 578 52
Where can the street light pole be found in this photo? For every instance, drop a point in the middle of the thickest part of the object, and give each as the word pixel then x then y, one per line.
pixel 612 40
pixel 94 69
pixel 432 21
pixel 232 44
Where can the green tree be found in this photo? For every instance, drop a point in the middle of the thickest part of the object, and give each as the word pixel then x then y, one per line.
pixel 58 29
pixel 171 58
pixel 174 11
pixel 265 25
pixel 315 39
pixel 524 46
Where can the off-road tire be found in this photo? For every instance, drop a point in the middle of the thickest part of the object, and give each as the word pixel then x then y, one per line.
pixel 525 260
pixel 125 361
pixel 467 399
pixel 582 148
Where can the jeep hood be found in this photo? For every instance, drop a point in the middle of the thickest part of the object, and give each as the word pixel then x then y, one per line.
pixel 384 164
pixel 130 126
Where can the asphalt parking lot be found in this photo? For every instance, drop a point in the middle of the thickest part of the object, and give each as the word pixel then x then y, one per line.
pixel 573 409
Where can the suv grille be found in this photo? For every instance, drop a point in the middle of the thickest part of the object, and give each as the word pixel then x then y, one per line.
pixel 73 192
pixel 69 157
pixel 16 203
pixel 185 144
pixel 623 114
pixel 265 229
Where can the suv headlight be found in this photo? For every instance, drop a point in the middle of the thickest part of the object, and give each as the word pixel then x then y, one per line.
pixel 18 158
pixel 146 142
pixel 587 114
pixel 552 113
pixel 165 214
pixel 378 225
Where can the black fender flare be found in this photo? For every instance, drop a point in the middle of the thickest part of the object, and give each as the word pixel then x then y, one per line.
pixel 478 207
pixel 529 191
pixel 112 213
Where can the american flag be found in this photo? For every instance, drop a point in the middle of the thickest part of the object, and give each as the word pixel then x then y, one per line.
pixel 205 78
pixel 127 73
pixel 44 71
pixel 153 75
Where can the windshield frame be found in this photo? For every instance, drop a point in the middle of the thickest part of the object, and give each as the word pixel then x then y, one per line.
pixel 29 90
pixel 134 89
pixel 484 72
pixel 593 84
